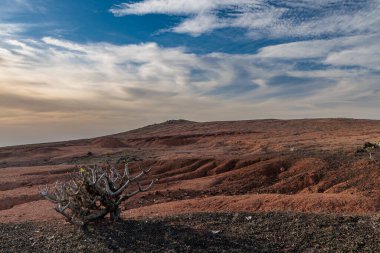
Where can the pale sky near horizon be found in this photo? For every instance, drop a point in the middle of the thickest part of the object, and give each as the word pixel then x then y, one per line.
pixel 76 69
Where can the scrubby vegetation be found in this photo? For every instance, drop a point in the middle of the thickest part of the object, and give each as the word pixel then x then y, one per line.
pixel 369 147
pixel 94 192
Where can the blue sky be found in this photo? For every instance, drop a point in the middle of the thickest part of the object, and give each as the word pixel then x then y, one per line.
pixel 72 69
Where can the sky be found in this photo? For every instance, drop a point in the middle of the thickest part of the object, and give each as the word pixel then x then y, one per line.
pixel 77 69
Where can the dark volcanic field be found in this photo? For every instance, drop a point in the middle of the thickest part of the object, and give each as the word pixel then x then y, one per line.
pixel 225 232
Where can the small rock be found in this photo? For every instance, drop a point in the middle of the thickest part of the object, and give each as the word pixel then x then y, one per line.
pixel 236 215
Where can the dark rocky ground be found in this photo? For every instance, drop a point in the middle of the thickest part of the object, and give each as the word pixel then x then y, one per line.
pixel 227 232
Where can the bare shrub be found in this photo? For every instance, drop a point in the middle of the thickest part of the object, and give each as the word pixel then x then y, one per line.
pixel 369 147
pixel 92 192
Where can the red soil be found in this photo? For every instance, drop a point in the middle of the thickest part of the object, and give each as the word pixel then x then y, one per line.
pixel 263 165
pixel 108 142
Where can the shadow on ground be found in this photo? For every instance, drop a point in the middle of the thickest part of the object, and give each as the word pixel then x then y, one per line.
pixel 228 232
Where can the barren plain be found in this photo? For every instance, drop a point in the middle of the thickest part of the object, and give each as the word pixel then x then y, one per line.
pixel 291 176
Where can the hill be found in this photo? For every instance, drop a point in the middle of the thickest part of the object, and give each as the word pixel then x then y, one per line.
pixel 258 165
pixel 292 166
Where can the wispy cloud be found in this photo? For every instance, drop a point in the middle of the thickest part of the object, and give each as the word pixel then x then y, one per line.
pixel 360 51
pixel 8 30
pixel 102 78
pixel 10 7
pixel 180 7
pixel 264 18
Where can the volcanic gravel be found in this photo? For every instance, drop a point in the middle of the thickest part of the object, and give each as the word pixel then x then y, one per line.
pixel 203 232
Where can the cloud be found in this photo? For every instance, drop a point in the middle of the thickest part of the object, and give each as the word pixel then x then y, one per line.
pixel 295 87
pixel 10 7
pixel 8 30
pixel 355 51
pixel 199 24
pixel 301 49
pixel 364 53
pixel 57 69
pixel 140 93
pixel 262 18
pixel 58 84
pixel 43 104
pixel 177 7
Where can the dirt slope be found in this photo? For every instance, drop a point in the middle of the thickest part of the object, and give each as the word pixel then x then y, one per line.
pixel 261 165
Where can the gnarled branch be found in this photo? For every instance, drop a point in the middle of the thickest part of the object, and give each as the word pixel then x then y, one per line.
pixel 93 192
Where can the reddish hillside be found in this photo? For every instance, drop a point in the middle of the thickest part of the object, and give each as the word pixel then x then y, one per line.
pixel 259 165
